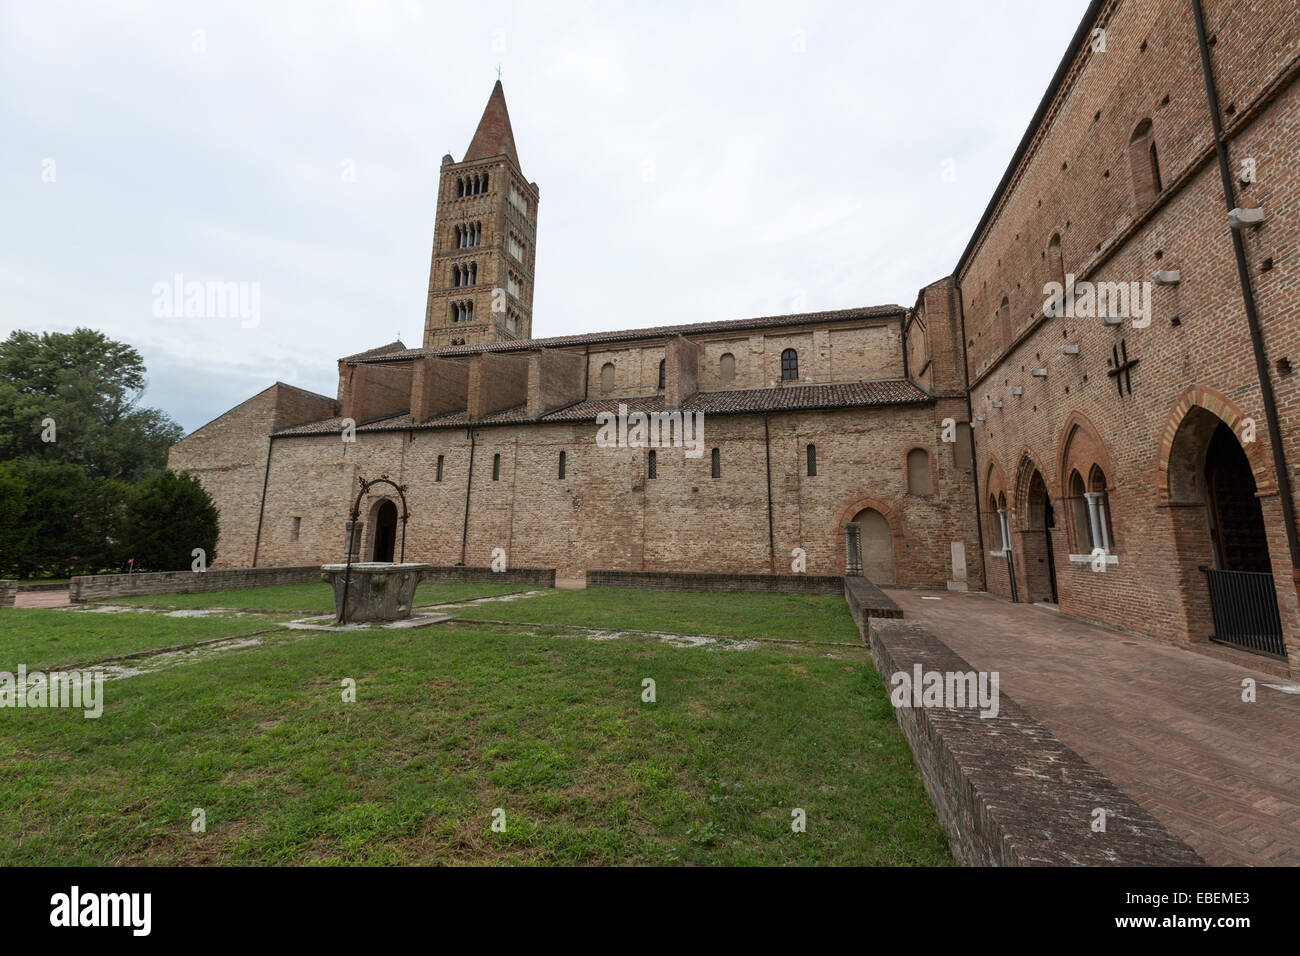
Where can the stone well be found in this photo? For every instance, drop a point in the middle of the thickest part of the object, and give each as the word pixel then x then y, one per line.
pixel 376 591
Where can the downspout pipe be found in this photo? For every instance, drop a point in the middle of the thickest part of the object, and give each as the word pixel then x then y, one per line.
pixel 771 533
pixel 469 482
pixel 1248 298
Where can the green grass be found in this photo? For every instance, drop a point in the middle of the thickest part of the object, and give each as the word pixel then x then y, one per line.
pixel 786 616
pixel 41 638
pixel 454 721
pixel 315 597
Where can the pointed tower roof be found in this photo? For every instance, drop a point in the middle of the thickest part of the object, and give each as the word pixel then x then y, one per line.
pixel 494 136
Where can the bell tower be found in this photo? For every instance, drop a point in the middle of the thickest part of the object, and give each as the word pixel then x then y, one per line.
pixel 484 241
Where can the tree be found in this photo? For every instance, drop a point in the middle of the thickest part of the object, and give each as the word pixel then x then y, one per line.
pixel 87 387
pixel 168 517
pixel 55 520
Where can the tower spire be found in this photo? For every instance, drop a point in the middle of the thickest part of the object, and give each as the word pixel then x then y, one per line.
pixel 494 137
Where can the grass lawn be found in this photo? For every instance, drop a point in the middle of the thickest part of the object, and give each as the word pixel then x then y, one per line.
pixel 787 616
pixel 41 638
pixel 308 598
pixel 454 721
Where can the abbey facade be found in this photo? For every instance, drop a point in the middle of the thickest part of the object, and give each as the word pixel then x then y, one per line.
pixel 1096 411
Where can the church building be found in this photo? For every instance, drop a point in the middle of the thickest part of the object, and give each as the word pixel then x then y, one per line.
pixel 1095 412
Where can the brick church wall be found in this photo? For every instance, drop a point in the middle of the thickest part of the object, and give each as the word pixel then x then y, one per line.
pixel 1077 183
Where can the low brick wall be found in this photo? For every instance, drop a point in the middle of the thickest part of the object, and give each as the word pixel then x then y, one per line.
pixel 536 577
pixel 8 591
pixel 866 601
pixel 1008 792
pixel 100 587
pixel 707 581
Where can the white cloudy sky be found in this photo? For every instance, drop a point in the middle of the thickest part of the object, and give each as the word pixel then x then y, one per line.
pixel 693 164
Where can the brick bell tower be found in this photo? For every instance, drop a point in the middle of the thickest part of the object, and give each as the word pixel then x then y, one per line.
pixel 484 241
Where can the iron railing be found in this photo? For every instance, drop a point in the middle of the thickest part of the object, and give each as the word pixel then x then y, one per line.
pixel 1244 605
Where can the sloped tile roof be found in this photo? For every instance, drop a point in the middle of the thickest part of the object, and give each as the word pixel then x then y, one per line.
pixel 738 402
pixel 628 335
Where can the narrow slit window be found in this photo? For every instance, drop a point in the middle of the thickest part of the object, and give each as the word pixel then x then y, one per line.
pixel 717 464
pixel 563 462
pixel 496 467
pixel 812 461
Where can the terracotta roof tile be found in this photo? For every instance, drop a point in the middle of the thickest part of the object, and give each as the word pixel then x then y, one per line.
pixel 653 332
pixel 739 402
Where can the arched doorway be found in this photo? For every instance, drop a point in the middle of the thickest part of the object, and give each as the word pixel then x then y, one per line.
pixel 1222 562
pixel 876 545
pixel 385 535
pixel 1040 561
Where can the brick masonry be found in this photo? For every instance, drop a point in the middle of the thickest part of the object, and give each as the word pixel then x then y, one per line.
pixel 1007 791
pixel 866 602
pixel 745 583
pixel 99 587
pixel 8 591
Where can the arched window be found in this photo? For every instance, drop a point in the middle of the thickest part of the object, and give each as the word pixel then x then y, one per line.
pixel 727 368
pixel 1099 510
pixel 455 275
pixel 439 475
pixel 1004 524
pixel 789 365
pixel 1080 520
pixel 812 461
pixel 496 467
pixel 485 182
pixel 661 374
pixel 607 378
pixel 717 464
pixel 473 273
pixel 562 462
pixel 652 465
pixel 460 188
pixel 1144 165
pixel 918 471
pixel 1055 261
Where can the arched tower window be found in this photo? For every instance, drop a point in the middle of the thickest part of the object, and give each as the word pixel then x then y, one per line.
pixel 661 374
pixel 607 378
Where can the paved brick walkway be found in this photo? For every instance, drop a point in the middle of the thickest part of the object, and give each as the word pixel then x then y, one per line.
pixel 1167 725
pixel 57 598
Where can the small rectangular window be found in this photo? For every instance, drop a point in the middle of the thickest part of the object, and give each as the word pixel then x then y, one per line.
pixel 496 467
pixel 717 464
pixel 652 466
pixel 297 528
pixel 439 476
pixel 812 461
pixel 562 463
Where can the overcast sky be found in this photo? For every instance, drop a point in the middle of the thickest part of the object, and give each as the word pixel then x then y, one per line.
pixel 696 161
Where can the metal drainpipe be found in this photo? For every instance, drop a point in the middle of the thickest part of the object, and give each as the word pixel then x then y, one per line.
pixel 1248 298
pixel 771 534
pixel 469 480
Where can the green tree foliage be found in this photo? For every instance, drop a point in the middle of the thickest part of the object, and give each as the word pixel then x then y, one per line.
pixel 89 385
pixel 168 517
pixel 57 520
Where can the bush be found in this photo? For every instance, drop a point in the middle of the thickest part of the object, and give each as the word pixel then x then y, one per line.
pixel 168 517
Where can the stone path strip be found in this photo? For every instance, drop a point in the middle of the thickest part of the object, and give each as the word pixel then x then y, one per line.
pixel 1166 725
